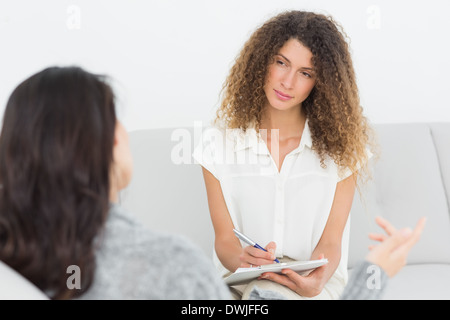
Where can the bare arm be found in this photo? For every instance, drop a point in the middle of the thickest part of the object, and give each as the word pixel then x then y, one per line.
pixel 330 243
pixel 228 247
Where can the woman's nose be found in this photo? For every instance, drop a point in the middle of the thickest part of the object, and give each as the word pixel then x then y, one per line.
pixel 288 80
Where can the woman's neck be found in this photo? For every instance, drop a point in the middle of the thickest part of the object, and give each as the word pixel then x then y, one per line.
pixel 290 123
pixel 113 196
pixel 113 190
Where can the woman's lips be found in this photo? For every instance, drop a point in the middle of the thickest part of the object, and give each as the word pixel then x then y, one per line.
pixel 282 96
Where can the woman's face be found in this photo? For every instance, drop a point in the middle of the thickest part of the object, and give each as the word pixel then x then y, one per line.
pixel 290 77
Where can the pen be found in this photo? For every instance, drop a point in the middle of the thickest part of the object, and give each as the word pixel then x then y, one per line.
pixel 246 239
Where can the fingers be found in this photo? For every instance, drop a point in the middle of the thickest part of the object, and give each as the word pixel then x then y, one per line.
pixel 271 247
pixel 404 239
pixel 377 237
pixel 419 229
pixel 280 278
pixel 307 286
pixel 390 229
pixel 383 223
pixel 414 235
pixel 397 239
pixel 256 257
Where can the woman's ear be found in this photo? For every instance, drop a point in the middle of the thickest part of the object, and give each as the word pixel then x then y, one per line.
pixel 122 159
pixel 116 135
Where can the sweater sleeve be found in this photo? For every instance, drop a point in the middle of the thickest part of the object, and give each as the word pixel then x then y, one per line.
pixel 367 282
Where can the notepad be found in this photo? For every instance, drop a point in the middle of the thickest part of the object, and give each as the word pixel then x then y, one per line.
pixel 242 275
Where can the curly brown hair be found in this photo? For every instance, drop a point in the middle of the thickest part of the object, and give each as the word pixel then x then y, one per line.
pixel 335 117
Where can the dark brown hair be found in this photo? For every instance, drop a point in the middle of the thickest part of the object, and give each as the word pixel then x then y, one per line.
pixel 56 150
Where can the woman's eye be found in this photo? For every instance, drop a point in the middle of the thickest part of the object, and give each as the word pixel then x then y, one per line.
pixel 281 63
pixel 306 74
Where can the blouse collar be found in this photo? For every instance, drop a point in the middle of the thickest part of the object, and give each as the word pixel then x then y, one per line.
pixel 253 140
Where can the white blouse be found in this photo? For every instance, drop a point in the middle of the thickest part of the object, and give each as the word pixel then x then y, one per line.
pixel 289 207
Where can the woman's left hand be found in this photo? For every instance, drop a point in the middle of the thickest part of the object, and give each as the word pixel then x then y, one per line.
pixel 307 286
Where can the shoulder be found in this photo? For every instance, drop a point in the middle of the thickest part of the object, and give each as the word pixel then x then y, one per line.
pixel 215 147
pixel 327 166
pixel 125 231
pixel 217 138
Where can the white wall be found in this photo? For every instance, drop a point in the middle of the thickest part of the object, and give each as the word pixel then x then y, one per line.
pixel 169 58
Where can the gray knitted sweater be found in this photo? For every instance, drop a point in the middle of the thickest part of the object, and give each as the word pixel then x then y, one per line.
pixel 367 282
pixel 134 262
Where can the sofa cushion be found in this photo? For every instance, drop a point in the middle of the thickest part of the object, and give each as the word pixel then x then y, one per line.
pixel 407 184
pixel 16 287
pixel 420 282
pixel 167 191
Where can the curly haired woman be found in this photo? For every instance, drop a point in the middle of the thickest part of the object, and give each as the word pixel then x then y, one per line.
pixel 292 149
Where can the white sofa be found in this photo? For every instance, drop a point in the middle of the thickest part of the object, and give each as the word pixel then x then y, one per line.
pixel 15 287
pixel 410 180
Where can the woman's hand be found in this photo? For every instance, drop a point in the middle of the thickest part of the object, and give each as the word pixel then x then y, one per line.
pixel 392 252
pixel 252 257
pixel 309 285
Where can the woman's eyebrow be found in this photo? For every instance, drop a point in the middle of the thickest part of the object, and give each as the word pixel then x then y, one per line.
pixel 306 68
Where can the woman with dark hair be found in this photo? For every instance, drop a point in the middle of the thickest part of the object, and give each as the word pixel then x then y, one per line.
pixel 64 157
pixel 293 148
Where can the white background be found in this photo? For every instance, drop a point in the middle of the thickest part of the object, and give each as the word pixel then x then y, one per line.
pixel 169 58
